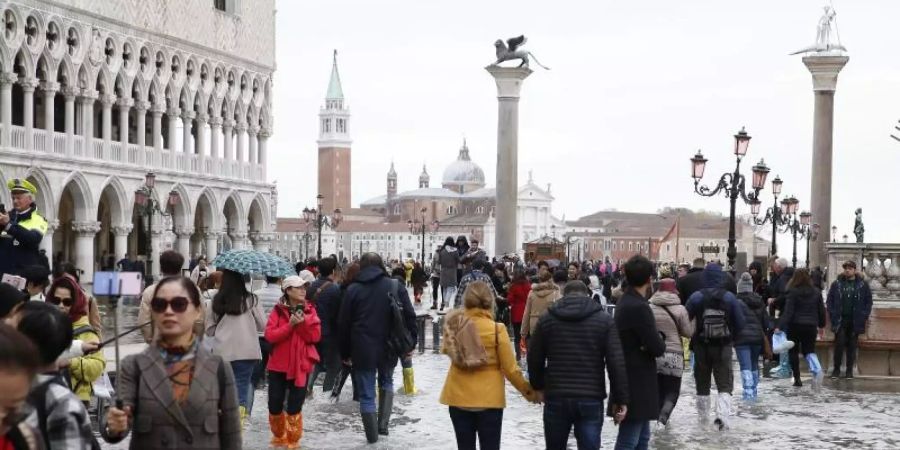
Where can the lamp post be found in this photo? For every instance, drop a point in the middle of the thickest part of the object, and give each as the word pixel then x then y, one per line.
pixel 775 214
pixel 553 241
pixel 417 228
pixel 732 184
pixel 146 205
pixel 800 227
pixel 314 215
pixel 811 236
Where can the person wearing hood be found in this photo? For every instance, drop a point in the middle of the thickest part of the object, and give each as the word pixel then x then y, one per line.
pixel 673 322
pixel 849 307
pixel 364 327
pixel 582 343
pixel 642 344
pixel 719 318
pixel 804 312
pixel 760 286
pixel 448 257
pixel 542 295
pixel 751 341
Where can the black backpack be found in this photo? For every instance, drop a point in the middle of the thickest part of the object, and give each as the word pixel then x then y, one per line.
pixel 714 327
pixel 400 341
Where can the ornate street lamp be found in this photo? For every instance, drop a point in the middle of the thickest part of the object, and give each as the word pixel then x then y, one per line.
pixel 774 215
pixel 733 185
pixel 315 216
pixel 800 227
pixel 147 206
pixel 419 228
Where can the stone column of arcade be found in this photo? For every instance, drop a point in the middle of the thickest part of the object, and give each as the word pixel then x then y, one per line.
pixel 183 244
pixel 212 244
pixel 84 248
pixel 509 83
pixel 824 70
pixel 120 235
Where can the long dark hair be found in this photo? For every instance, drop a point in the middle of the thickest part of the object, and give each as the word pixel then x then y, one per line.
pixel 233 297
pixel 800 279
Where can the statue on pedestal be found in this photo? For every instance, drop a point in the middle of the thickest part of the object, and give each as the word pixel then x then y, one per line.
pixel 858 228
pixel 823 36
pixel 510 50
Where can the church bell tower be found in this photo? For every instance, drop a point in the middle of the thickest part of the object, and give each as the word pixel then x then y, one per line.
pixel 334 145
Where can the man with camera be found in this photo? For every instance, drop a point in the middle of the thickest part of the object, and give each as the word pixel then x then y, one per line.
pixel 21 229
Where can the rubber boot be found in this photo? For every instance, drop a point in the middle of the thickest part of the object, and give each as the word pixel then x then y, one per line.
pixel 294 430
pixel 434 304
pixel 767 366
pixel 784 367
pixel 747 382
pixel 243 415
pixel 277 426
pixel 385 404
pixel 370 424
pixel 665 412
pixel 816 369
pixel 409 381
pixel 703 409
pixel 723 410
pixel 755 384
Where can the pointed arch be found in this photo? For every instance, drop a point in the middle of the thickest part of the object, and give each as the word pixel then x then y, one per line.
pixel 234 211
pixel 45 197
pixel 65 73
pixel 24 61
pixel 257 214
pixel 120 206
pixel 44 71
pixel 83 199
pixel 211 213
pixel 183 211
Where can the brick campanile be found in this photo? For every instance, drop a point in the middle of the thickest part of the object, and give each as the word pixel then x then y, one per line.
pixel 334 146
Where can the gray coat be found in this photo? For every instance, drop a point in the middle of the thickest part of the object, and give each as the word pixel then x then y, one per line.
pixel 449 258
pixel 204 421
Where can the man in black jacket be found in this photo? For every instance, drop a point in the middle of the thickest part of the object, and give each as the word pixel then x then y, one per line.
pixel 579 340
pixel 642 344
pixel 778 296
pixel 326 296
pixel 364 326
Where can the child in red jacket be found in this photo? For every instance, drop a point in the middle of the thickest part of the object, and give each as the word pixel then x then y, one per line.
pixel 517 296
pixel 293 330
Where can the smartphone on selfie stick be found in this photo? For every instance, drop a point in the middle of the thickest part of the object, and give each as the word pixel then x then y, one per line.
pixel 114 285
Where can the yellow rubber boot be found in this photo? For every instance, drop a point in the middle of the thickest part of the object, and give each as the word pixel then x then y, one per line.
pixel 409 381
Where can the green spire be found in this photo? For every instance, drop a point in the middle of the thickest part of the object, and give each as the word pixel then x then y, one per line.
pixel 334 85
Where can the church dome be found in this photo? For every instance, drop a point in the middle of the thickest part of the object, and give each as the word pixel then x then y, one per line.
pixel 463 174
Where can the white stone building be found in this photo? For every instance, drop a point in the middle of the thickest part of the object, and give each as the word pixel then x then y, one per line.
pixel 95 94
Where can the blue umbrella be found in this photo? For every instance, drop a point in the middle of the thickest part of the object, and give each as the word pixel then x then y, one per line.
pixel 253 262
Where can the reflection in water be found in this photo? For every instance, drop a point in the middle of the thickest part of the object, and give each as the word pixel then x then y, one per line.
pixel 128 313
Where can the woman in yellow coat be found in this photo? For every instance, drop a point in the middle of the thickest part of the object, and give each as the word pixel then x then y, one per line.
pixel 477 396
pixel 84 370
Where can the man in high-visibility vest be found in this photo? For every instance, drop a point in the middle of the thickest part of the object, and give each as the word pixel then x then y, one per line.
pixel 21 229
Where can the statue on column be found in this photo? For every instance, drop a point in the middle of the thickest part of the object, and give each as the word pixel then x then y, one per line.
pixel 823 35
pixel 858 228
pixel 510 50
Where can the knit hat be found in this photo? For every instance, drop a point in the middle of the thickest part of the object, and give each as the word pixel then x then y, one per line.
pixel 667 285
pixel 745 284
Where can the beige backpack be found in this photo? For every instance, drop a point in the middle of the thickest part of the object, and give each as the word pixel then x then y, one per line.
pixel 462 343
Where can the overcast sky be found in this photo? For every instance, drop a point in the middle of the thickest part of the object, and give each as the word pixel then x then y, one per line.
pixel 635 89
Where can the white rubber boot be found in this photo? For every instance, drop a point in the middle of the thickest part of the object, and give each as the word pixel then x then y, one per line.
pixel 703 409
pixel 723 410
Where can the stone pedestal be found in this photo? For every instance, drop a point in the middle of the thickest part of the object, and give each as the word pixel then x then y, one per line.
pixel 509 84
pixel 824 69
pixel 879 346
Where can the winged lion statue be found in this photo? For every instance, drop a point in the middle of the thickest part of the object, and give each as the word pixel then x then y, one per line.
pixel 510 50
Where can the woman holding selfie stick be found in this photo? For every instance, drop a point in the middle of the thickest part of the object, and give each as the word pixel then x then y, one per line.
pixel 293 330
pixel 176 394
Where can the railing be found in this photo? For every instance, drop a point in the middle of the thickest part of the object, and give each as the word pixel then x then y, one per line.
pixel 147 157
pixel 879 262
pixel 59 143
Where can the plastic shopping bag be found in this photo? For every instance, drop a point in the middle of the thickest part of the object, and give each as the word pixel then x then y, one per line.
pixel 780 343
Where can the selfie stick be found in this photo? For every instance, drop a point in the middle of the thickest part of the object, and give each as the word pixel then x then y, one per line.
pixel 114 302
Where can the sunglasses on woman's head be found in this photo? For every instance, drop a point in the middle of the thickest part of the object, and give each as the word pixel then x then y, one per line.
pixel 67 302
pixel 160 305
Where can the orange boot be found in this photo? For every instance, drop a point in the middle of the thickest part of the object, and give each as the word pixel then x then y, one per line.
pixel 277 425
pixel 294 430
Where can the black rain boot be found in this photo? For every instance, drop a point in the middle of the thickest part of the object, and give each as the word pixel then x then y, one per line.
pixel 370 424
pixel 434 304
pixel 385 404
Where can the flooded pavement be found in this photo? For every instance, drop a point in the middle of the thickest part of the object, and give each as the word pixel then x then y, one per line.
pixel 854 414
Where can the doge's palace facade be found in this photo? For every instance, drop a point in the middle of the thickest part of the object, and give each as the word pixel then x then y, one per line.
pixel 96 94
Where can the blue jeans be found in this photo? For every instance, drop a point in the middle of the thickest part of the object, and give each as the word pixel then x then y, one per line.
pixel 486 425
pixel 748 356
pixel 633 435
pixel 561 414
pixel 364 384
pixel 243 372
